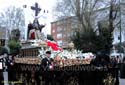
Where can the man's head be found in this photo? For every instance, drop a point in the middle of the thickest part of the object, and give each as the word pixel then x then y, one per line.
pixel 48 53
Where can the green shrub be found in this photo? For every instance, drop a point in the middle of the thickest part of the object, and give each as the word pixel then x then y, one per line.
pixel 14 47
pixel 3 50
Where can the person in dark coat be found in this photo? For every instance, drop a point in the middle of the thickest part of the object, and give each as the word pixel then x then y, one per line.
pixel 47 65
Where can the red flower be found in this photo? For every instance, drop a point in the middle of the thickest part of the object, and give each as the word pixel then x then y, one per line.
pixel 54 45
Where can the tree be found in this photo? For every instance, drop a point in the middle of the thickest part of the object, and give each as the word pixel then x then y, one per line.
pixel 15 34
pixel 105 37
pixel 86 41
pixel 49 37
pixel 86 38
pixel 82 9
pixel 3 50
pixel 14 47
pixel 14 42
pixel 12 18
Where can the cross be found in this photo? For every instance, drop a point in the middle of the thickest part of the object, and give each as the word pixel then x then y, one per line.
pixel 36 8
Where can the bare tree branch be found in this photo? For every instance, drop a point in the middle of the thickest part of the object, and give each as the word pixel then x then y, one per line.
pixel 13 18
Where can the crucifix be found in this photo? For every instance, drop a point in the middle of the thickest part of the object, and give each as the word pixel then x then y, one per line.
pixel 35 29
pixel 36 8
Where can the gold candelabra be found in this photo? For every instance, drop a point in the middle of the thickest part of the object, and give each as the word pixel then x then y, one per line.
pixel 109 80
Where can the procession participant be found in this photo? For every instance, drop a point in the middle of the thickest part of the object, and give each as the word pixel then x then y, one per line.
pixel 124 59
pixel 47 64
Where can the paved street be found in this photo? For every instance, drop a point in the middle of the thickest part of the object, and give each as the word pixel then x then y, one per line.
pixel 122 81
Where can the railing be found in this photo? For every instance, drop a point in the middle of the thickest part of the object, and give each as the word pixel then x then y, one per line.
pixel 29 52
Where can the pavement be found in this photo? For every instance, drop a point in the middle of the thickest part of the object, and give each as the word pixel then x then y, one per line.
pixel 122 81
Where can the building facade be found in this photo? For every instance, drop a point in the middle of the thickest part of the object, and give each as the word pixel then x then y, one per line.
pixel 63 30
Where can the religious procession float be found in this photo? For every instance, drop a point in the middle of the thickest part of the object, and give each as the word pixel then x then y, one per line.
pixel 69 67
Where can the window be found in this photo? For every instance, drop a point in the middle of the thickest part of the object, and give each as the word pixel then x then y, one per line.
pixel 64 35
pixel 59 29
pixel 59 42
pixel 59 35
pixel 72 33
pixel 68 35
pixel 58 23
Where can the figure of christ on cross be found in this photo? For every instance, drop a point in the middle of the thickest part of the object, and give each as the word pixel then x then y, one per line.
pixel 36 8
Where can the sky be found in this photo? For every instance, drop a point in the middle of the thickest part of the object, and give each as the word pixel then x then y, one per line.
pixel 45 18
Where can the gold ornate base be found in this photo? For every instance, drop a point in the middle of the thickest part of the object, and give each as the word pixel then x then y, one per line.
pixel 109 80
